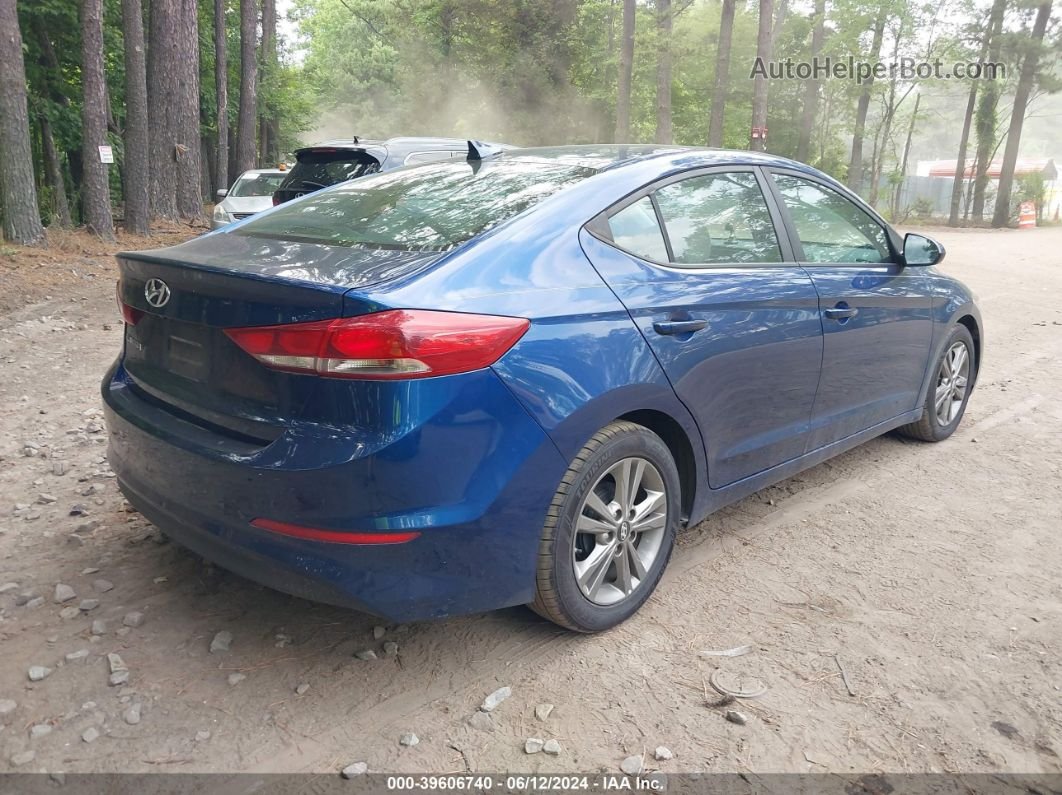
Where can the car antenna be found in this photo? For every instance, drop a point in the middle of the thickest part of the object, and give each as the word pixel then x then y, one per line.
pixel 356 139
pixel 478 150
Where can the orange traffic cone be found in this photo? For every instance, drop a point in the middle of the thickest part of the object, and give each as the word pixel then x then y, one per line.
pixel 1027 216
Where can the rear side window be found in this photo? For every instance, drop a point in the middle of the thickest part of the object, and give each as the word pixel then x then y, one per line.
pixel 718 219
pixel 831 228
pixel 634 228
pixel 431 208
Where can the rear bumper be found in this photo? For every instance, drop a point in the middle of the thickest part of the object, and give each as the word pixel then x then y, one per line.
pixel 474 476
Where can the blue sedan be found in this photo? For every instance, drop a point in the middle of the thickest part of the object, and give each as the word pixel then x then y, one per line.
pixel 512 379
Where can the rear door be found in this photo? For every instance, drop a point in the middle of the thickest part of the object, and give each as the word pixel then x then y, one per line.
pixel 876 315
pixel 698 263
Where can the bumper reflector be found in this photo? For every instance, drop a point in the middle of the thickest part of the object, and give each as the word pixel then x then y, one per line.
pixel 332 536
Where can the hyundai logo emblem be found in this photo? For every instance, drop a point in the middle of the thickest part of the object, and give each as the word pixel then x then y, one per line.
pixel 157 293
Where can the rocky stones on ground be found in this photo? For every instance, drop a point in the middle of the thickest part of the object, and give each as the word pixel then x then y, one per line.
pixel 40 730
pixel 68 613
pixel 390 649
pixel 542 711
pixel 221 642
pixel 46 499
pixel 85 605
pixel 236 678
pixel 7 706
pixel 23 758
pixel 409 739
pixel 202 736
pixel 355 769
pixel 103 585
pixel 36 601
pixel 662 753
pixel 532 745
pixel 734 716
pixel 90 735
pixel 491 702
pixel 133 619
pixel 552 747
pixel 99 627
pixel 132 715
pixel 80 654
pixel 118 678
pixel 116 663
pixel 365 654
pixel 302 689
pixel 481 721
pixel 632 765
pixel 38 672
pixel 7 587
pixel 63 593
pixel 378 632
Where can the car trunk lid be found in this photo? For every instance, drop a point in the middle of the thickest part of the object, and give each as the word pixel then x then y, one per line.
pixel 177 352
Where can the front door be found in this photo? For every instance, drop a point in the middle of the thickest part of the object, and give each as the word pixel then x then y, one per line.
pixel 698 264
pixel 876 315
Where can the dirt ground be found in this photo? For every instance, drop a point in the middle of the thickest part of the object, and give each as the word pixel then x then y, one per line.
pixel 929 573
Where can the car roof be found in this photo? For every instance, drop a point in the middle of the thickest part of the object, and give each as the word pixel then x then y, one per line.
pixel 601 157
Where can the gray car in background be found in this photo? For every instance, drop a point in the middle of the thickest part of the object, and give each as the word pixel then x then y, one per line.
pixel 331 162
pixel 251 193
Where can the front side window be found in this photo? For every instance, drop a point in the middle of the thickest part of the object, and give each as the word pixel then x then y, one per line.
pixel 718 219
pixel 831 228
pixel 430 208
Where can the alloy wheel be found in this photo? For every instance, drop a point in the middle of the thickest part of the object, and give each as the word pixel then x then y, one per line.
pixel 952 381
pixel 619 531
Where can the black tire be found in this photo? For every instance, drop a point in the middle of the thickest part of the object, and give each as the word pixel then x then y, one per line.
pixel 558 595
pixel 929 427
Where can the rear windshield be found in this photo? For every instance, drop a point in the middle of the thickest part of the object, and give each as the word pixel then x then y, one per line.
pixel 257 184
pixel 425 208
pixel 316 170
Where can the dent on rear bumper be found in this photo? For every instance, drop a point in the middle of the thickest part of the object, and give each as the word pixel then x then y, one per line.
pixel 470 470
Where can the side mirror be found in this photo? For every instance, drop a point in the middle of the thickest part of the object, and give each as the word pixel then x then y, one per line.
pixel 919 250
pixel 222 193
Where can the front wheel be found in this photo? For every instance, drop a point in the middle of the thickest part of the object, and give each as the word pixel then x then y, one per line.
pixel 949 391
pixel 609 531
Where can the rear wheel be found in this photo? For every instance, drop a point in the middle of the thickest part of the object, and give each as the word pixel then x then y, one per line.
pixel 609 531
pixel 949 391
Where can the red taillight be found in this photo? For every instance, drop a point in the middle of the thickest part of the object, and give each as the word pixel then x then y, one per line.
pixel 130 315
pixel 332 536
pixel 398 343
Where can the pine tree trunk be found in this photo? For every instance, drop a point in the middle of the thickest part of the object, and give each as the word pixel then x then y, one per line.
pixel 18 193
pixel 960 160
pixel 53 174
pixel 986 112
pixel 267 143
pixel 764 39
pixel 626 69
pixel 137 162
pixel 189 167
pixel 811 87
pixel 162 75
pixel 855 165
pixel 906 156
pixel 664 23
pixel 245 127
pixel 221 88
pixel 95 189
pixel 1001 216
pixel 722 75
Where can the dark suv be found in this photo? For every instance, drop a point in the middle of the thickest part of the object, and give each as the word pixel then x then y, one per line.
pixel 331 162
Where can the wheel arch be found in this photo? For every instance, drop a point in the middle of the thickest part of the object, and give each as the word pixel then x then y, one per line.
pixel 974 328
pixel 679 444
